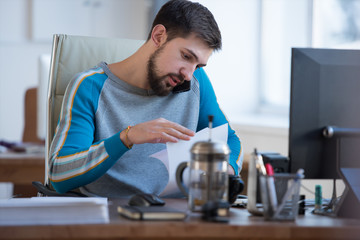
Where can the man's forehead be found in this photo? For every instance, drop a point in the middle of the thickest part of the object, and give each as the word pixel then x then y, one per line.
pixel 195 45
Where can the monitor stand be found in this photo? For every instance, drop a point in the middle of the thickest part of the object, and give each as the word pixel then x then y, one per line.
pixel 349 205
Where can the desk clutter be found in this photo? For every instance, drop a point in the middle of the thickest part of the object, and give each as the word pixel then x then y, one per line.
pixel 21 147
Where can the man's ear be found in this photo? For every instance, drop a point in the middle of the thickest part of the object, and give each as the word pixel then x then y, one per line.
pixel 158 35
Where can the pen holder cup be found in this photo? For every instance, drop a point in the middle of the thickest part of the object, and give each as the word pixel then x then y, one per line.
pixel 280 196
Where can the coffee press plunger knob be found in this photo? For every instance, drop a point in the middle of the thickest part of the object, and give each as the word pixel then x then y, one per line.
pixel 211 118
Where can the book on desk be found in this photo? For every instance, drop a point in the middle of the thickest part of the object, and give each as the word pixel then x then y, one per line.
pixel 151 212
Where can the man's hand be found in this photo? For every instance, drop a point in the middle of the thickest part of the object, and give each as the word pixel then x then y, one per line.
pixel 156 131
pixel 230 170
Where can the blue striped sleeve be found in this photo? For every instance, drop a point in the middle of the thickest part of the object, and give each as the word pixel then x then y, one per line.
pixel 75 159
pixel 210 106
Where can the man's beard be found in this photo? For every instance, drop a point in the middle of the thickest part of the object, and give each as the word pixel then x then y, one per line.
pixel 158 83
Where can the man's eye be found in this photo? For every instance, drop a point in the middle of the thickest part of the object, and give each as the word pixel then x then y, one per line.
pixel 185 56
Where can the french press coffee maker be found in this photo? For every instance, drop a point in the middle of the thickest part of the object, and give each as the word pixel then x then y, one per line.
pixel 208 175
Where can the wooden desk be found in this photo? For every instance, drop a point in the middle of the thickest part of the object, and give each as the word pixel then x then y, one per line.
pixel 22 169
pixel 241 226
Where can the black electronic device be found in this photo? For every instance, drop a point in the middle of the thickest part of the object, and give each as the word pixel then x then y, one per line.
pixel 184 87
pixel 280 163
pixel 236 186
pixel 325 86
pixel 146 199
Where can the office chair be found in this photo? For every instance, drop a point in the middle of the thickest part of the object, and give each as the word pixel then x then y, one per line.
pixel 71 55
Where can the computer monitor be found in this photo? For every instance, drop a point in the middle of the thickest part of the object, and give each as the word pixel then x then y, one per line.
pixel 325 91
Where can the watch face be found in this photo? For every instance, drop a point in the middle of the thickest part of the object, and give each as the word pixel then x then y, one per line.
pixel 182 88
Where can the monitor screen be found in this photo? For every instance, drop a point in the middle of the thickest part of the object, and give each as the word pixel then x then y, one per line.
pixel 325 90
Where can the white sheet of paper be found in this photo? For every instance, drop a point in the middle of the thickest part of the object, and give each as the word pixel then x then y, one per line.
pixel 180 152
pixel 53 210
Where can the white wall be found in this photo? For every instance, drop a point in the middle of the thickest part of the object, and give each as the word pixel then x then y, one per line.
pixel 236 83
pixel 26 29
pixel 18 65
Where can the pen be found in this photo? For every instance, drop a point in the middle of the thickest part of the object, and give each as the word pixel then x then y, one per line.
pixel 271 185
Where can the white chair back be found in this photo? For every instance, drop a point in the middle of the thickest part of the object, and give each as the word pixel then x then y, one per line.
pixel 71 55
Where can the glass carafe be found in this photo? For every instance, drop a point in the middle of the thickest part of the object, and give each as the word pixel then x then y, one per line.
pixel 208 175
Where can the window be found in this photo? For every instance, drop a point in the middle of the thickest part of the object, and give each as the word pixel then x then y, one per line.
pixel 284 24
pixel 336 24
pixel 251 75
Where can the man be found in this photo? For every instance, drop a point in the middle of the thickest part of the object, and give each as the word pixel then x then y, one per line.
pixel 115 116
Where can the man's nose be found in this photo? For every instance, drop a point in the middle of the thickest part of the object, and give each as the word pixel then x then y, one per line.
pixel 187 72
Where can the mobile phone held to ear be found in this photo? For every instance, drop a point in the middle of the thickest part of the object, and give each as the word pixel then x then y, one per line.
pixel 182 88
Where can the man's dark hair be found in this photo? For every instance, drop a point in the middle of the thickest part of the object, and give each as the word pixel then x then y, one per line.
pixel 182 17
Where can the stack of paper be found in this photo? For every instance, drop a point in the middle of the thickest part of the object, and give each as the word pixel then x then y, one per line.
pixel 53 210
